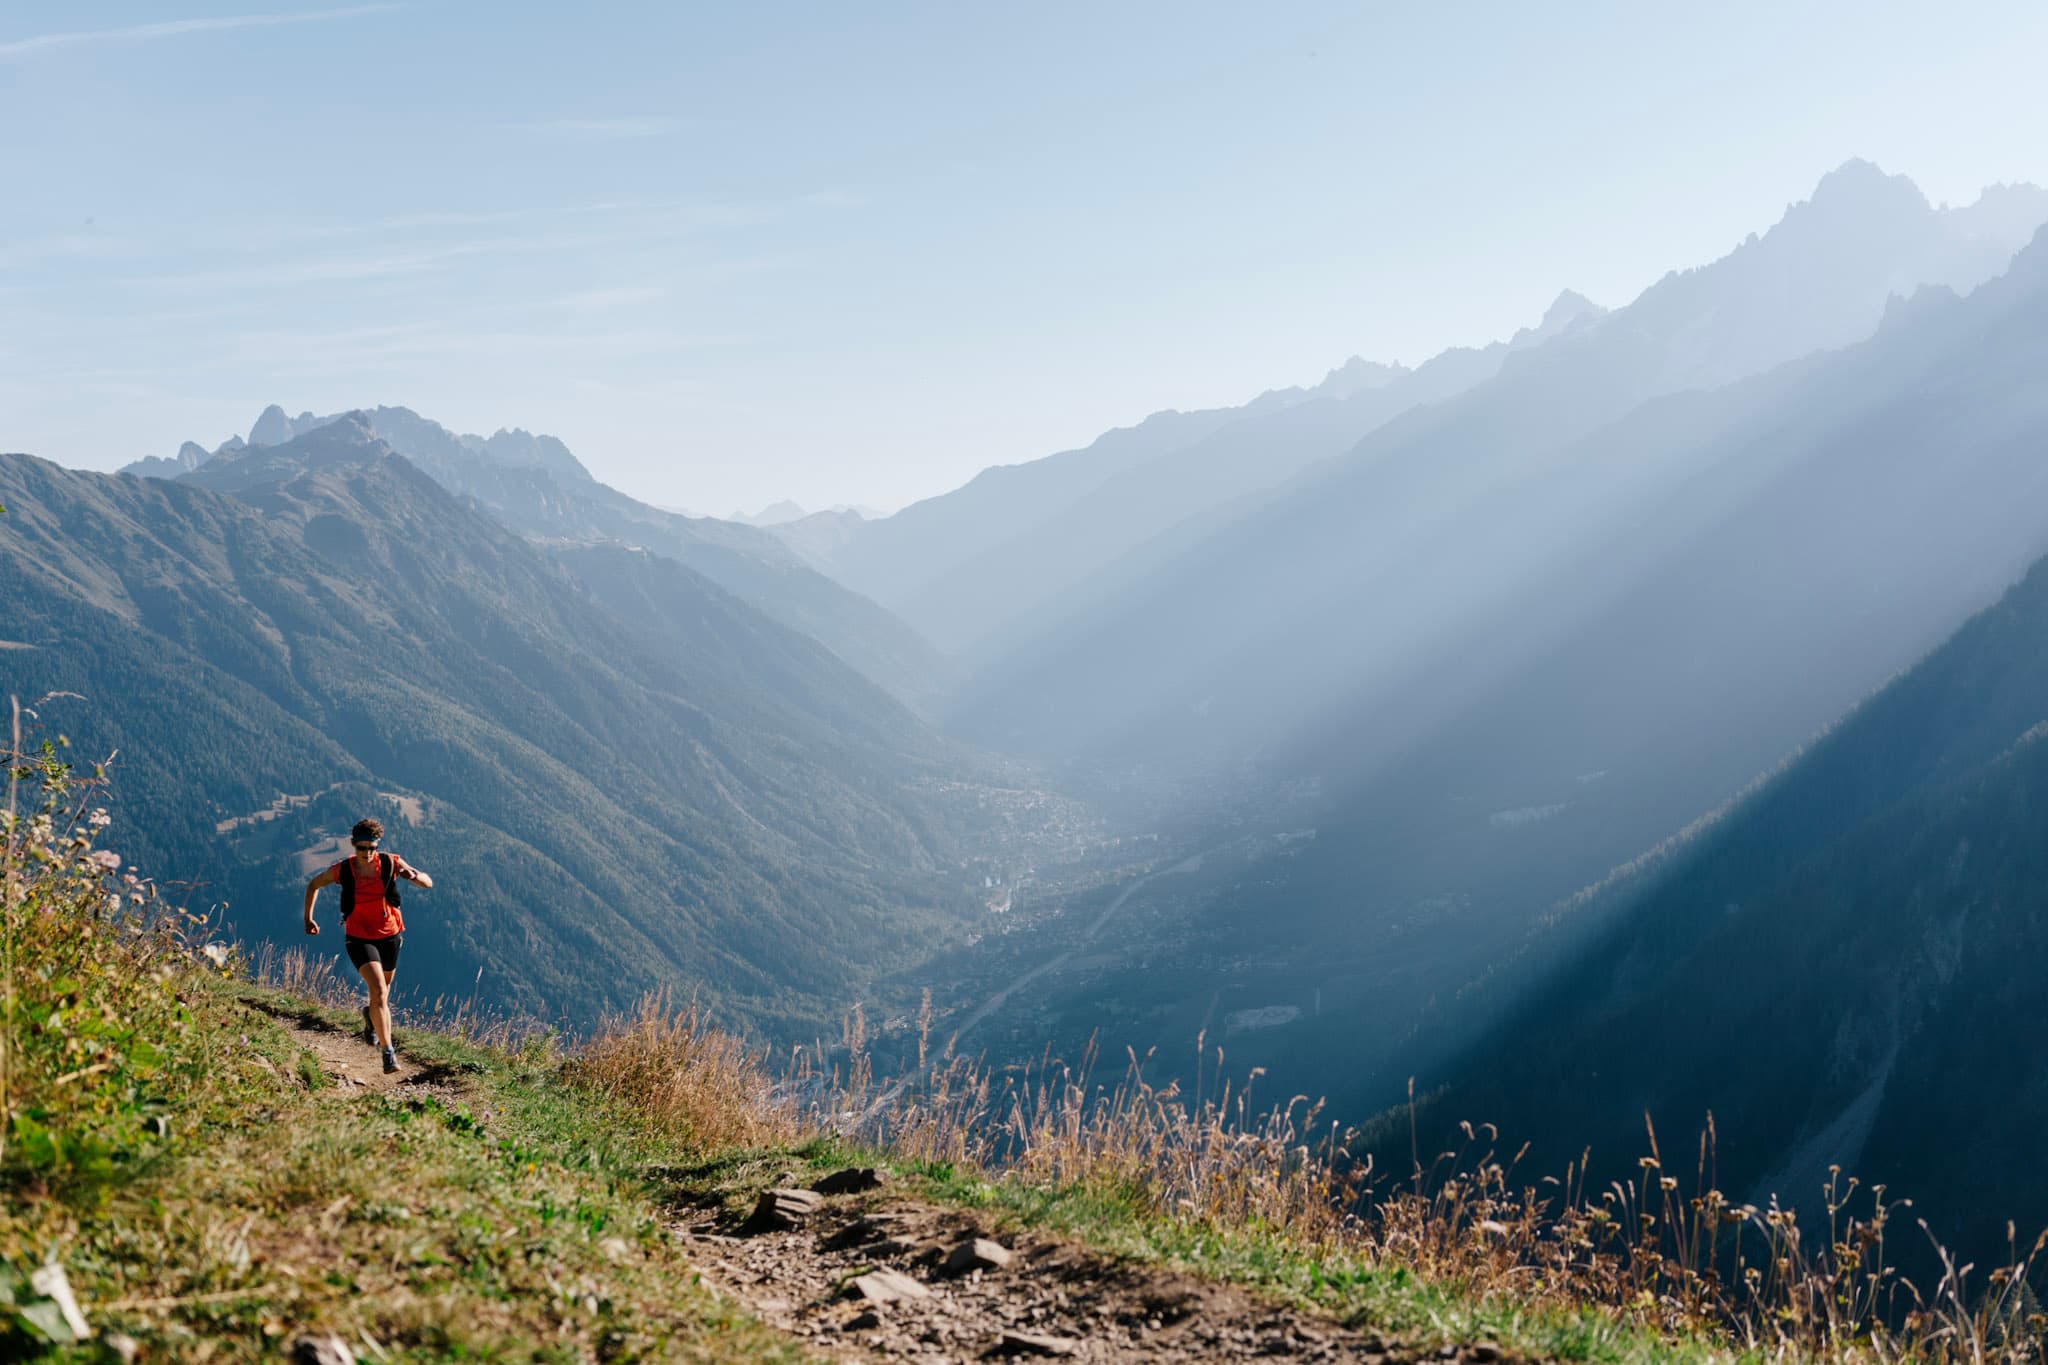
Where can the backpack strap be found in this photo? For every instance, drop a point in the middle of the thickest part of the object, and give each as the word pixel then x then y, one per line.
pixel 386 865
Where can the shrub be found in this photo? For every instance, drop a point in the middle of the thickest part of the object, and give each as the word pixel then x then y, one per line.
pixel 93 1031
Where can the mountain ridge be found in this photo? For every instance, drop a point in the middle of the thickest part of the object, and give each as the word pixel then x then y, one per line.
pixel 537 486
pixel 616 801
pixel 1288 562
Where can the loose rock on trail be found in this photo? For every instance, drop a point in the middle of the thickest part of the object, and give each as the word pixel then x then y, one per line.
pixel 878 1277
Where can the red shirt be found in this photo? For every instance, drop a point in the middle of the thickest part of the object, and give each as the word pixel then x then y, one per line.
pixel 369 917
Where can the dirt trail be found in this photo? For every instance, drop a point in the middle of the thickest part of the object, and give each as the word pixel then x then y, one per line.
pixel 1035 1297
pixel 1053 1300
pixel 354 1064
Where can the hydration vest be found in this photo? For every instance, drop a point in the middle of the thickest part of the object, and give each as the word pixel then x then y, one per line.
pixel 386 864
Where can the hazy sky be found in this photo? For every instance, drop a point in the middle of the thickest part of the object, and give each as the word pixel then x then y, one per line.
pixel 856 252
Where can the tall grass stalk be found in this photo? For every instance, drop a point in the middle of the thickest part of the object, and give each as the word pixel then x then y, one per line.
pixel 1646 1252
pixel 8 901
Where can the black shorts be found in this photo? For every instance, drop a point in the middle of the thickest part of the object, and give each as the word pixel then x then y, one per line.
pixel 364 951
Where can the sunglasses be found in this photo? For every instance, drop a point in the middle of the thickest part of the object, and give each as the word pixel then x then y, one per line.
pixel 365 848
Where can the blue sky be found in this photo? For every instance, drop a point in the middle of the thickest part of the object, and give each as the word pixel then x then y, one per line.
pixel 857 252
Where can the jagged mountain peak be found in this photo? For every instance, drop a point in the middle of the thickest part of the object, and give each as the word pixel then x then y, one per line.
pixel 271 427
pixel 190 456
pixel 2003 213
pixel 1568 310
pixel 1857 183
pixel 349 439
pixel 1358 374
pixel 353 429
pixel 774 514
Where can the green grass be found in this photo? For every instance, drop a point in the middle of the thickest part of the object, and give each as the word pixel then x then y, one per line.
pixel 514 1223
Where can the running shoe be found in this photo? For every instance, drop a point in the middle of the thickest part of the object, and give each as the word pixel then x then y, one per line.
pixel 390 1060
pixel 369 1029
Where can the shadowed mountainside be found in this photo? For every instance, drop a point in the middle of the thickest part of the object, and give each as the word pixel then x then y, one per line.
pixel 1841 970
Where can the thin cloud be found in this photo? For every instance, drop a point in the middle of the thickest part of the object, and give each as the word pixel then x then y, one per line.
pixel 175 28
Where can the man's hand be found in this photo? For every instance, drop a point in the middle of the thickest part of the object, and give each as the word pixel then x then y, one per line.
pixel 311 927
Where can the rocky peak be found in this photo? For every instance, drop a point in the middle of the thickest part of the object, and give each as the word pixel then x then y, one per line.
pixel 272 428
pixel 1568 310
pixel 1358 374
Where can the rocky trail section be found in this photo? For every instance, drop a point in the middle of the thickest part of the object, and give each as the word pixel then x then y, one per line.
pixel 862 1275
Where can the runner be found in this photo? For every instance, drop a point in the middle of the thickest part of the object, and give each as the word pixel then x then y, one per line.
pixel 371 927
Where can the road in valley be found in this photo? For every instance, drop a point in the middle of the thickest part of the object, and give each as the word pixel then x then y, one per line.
pixel 1054 963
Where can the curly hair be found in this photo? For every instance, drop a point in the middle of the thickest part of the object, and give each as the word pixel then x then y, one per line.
pixel 366 832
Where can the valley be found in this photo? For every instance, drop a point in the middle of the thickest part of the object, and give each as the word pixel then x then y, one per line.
pixel 1296 772
pixel 1374 689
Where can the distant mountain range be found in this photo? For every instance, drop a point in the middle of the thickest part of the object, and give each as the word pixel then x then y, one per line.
pixel 786 513
pixel 1522 634
pixel 975 566
pixel 624 776
pixel 1212 645
pixel 1783 546
pixel 536 486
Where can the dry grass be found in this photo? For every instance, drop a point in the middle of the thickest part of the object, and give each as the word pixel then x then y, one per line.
pixel 690 1080
pixel 1674 1258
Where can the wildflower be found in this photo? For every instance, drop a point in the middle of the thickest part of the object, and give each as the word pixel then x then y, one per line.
pixel 105 859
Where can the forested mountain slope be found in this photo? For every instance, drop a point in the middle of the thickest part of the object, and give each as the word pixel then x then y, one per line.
pixel 708 798
pixel 535 485
pixel 1845 969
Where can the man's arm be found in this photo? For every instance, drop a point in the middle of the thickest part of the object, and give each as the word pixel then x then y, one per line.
pixel 411 873
pixel 326 878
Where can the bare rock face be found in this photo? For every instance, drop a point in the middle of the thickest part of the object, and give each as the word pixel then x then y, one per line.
pixel 273 428
pixel 781 1211
pixel 978 1253
pixel 852 1180
pixel 886 1286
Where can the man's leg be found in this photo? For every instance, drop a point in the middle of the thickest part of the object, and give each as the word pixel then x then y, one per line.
pixel 380 1001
